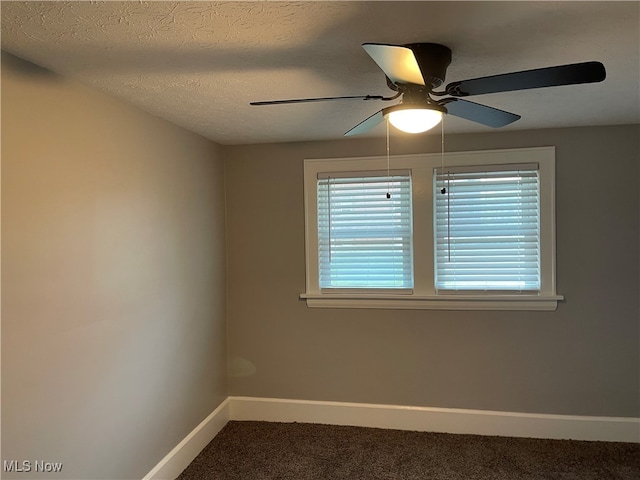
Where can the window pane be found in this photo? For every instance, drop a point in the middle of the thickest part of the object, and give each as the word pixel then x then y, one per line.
pixel 365 238
pixel 487 230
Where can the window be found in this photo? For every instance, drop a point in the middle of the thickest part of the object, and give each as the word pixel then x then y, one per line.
pixel 487 242
pixel 487 228
pixel 364 236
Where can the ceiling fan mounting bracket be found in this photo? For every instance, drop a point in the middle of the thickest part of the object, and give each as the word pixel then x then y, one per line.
pixel 418 95
pixel 391 85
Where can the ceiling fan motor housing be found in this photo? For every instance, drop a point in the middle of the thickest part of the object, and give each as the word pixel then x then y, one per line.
pixel 433 60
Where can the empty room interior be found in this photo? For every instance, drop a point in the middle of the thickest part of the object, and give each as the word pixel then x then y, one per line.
pixel 211 214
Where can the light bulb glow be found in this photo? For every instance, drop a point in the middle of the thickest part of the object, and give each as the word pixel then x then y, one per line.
pixel 414 120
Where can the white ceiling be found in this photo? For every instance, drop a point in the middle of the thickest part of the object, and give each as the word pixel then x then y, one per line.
pixel 199 64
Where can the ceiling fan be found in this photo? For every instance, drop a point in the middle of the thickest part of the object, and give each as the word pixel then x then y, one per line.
pixel 415 70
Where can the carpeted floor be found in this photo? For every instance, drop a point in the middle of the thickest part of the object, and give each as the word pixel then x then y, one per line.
pixel 300 451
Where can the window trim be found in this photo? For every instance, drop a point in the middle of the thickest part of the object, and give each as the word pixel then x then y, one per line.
pixel 424 294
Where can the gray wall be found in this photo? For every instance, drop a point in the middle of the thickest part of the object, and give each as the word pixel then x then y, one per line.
pixel 582 359
pixel 113 279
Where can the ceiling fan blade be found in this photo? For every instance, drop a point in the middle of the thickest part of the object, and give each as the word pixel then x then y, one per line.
pixel 492 117
pixel 587 72
pixel 321 99
pixel 366 124
pixel 398 63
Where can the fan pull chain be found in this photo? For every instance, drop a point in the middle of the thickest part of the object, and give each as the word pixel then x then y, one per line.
pixel 449 216
pixel 444 190
pixel 447 189
pixel 329 209
pixel 388 177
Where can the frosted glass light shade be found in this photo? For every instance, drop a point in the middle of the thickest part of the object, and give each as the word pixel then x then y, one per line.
pixel 414 120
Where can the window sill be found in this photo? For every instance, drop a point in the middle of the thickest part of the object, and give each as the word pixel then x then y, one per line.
pixel 433 302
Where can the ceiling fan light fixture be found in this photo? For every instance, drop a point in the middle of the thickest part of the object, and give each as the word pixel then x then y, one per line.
pixel 414 119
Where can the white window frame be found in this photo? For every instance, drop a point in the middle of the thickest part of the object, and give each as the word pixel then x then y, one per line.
pixel 424 294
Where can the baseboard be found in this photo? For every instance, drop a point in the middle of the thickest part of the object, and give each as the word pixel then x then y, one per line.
pixel 448 420
pixel 426 419
pixel 183 454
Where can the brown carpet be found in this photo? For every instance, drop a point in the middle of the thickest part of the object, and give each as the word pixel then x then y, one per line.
pixel 300 451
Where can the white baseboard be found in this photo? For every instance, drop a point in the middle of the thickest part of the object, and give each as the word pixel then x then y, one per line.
pixel 425 419
pixel 183 454
pixel 448 420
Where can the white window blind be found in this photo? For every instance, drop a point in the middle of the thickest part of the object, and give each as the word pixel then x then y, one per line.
pixel 487 228
pixel 365 238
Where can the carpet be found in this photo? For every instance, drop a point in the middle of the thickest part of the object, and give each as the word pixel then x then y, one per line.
pixel 300 451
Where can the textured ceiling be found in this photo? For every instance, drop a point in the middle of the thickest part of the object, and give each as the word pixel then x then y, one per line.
pixel 199 64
